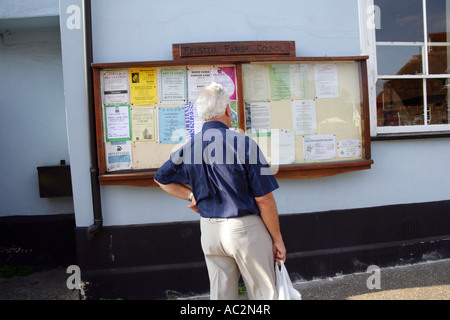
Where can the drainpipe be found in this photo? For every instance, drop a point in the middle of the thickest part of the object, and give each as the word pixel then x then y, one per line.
pixel 95 185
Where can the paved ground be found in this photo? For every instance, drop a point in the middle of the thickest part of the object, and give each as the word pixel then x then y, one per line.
pixel 421 281
pixel 43 285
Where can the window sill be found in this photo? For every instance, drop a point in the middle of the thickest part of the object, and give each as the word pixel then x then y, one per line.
pixel 145 179
pixel 410 136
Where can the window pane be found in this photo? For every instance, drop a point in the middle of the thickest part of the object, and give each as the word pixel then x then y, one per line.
pixel 400 102
pixel 437 95
pixel 400 20
pixel 399 60
pixel 438 20
pixel 438 60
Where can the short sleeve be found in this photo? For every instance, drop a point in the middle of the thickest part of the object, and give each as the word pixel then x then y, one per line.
pixel 171 172
pixel 261 178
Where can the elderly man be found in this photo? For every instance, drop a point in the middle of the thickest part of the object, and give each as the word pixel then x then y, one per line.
pixel 232 191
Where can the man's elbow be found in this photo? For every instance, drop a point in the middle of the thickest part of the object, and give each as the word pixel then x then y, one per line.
pixel 266 200
pixel 158 183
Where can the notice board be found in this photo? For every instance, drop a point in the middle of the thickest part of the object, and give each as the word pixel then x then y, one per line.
pixel 309 115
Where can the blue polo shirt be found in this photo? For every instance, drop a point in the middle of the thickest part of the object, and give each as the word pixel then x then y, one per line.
pixel 225 169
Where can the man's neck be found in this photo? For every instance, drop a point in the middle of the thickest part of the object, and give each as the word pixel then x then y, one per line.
pixel 222 119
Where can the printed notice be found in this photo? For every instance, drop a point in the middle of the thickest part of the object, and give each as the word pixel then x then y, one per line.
pixel 226 76
pixel 118 155
pixel 115 87
pixel 194 123
pixel 304 116
pixel 143 124
pixel 172 125
pixel 302 81
pixel 349 148
pixel 117 123
pixel 255 82
pixel 173 86
pixel 234 115
pixel 258 118
pixel 283 147
pixel 349 152
pixel 326 76
pixel 143 87
pixel 198 78
pixel 280 82
pixel 319 147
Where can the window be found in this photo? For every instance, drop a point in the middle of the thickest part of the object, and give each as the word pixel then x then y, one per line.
pixel 413 81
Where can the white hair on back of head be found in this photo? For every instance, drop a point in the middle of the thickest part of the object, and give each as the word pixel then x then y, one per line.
pixel 212 102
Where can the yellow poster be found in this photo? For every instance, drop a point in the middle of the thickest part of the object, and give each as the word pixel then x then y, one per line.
pixel 143 87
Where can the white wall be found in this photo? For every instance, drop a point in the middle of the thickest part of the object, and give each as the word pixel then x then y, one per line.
pixel 139 30
pixel 17 9
pixel 33 121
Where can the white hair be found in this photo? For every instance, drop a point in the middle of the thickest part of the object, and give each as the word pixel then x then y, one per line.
pixel 212 102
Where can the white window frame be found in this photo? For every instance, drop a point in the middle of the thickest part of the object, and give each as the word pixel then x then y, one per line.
pixel 368 23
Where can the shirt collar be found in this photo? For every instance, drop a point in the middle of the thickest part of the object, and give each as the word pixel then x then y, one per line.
pixel 213 125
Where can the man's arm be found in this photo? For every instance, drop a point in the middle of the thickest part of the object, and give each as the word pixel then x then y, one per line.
pixel 269 215
pixel 180 191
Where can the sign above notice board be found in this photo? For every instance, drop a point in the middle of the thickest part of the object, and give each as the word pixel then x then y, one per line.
pixel 239 48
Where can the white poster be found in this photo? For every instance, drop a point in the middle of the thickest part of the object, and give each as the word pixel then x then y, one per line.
pixel 327 84
pixel 255 82
pixel 319 147
pixel 302 81
pixel 193 121
pixel 117 123
pixel 173 86
pixel 115 87
pixel 143 124
pixel 282 147
pixel 349 152
pixel 198 78
pixel 304 116
pixel 118 155
pixel 258 116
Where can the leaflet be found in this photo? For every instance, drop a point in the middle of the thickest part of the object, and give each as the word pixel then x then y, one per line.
pixel 326 76
pixel 173 86
pixel 226 76
pixel 117 123
pixel 118 155
pixel 198 78
pixel 319 147
pixel 280 82
pixel 115 87
pixel 302 81
pixel 304 116
pixel 143 87
pixel 255 82
pixel 282 147
pixel 143 124
pixel 172 127
pixel 194 123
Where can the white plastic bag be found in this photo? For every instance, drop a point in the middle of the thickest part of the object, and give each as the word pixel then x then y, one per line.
pixel 285 289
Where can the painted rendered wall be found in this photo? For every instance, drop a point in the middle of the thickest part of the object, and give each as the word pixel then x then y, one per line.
pixel 138 30
pixel 17 9
pixel 33 121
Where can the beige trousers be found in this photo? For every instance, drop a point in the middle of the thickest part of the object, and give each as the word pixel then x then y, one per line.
pixel 238 246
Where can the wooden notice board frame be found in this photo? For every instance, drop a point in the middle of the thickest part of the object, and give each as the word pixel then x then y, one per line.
pixel 217 54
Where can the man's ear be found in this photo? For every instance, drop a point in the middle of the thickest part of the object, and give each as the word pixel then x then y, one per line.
pixel 228 111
